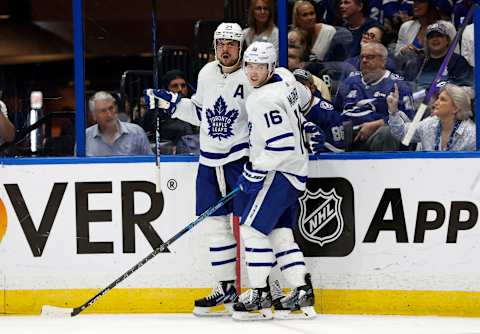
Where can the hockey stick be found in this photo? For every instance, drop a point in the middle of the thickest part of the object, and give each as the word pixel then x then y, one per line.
pixel 155 86
pixel 433 86
pixel 62 311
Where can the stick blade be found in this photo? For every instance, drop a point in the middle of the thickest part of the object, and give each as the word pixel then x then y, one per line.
pixel 55 311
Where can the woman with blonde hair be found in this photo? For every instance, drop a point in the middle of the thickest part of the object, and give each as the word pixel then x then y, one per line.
pixel 449 128
pixel 321 37
pixel 261 26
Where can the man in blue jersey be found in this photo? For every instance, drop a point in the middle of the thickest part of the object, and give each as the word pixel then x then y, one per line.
pixel 362 99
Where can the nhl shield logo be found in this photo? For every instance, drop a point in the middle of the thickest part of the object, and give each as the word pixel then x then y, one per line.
pixel 321 219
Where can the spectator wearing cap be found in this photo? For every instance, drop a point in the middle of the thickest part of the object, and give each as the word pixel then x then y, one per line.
pixel 353 13
pixel 261 25
pixel 437 42
pixel 110 136
pixel 411 36
pixel 324 40
pixel 449 128
pixel 172 130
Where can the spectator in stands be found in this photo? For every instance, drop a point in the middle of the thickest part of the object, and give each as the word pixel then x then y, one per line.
pixel 468 46
pixel 261 26
pixel 424 70
pixel 325 43
pixel 298 38
pixel 449 128
pixel 362 99
pixel 296 61
pixel 111 136
pixel 7 129
pixel 354 15
pixel 375 35
pixel 411 36
pixel 173 131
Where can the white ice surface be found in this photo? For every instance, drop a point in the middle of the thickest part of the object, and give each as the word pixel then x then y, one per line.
pixel 185 323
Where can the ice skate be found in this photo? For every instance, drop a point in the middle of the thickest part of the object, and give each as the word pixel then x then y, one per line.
pixel 276 292
pixel 219 302
pixel 298 304
pixel 254 304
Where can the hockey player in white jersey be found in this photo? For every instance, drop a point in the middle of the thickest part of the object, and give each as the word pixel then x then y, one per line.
pixel 218 107
pixel 274 177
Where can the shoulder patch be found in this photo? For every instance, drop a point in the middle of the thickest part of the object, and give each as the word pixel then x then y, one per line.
pixel 325 105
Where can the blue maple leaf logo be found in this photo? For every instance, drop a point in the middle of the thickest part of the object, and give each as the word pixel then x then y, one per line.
pixel 221 120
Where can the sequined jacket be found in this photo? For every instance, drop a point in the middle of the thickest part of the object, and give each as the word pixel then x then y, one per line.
pixel 464 138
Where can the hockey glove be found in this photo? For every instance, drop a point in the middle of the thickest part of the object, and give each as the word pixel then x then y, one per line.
pixel 251 180
pixel 315 138
pixel 162 99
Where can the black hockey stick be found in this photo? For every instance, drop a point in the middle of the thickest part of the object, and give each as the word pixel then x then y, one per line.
pixel 155 86
pixel 63 311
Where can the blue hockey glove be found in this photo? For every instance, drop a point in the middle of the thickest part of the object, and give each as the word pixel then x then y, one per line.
pixel 315 137
pixel 251 180
pixel 162 99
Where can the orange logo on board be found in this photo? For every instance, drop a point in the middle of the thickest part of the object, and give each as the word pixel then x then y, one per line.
pixel 3 220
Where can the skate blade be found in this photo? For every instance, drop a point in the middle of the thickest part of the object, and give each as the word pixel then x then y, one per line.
pixel 263 314
pixel 307 312
pixel 216 311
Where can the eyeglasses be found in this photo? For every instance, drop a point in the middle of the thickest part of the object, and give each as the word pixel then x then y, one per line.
pixel 369 57
pixel 370 35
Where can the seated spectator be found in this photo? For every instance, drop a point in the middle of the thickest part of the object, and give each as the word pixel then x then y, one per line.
pixel 111 136
pixel 355 20
pixel 298 38
pixel 7 129
pixel 449 128
pixel 411 36
pixel 295 61
pixel 319 35
pixel 424 70
pixel 373 34
pixel 362 99
pixel 172 130
pixel 261 26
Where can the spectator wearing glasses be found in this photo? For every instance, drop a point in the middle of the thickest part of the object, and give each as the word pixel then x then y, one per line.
pixel 449 128
pixel 372 35
pixel 362 100
pixel 261 26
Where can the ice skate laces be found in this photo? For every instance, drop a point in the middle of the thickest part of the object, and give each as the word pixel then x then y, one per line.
pixel 249 296
pixel 276 290
pixel 216 292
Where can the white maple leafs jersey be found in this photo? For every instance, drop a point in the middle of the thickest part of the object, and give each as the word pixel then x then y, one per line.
pixel 218 107
pixel 275 123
